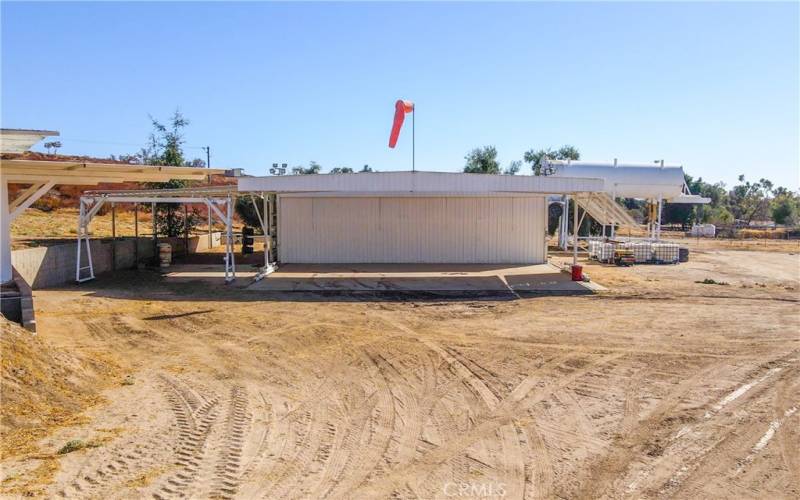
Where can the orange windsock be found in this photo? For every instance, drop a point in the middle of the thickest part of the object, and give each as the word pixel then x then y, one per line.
pixel 401 107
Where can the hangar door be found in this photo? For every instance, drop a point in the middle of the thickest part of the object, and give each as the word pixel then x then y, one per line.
pixel 500 229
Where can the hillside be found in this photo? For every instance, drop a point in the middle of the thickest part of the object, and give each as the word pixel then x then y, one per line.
pixel 44 388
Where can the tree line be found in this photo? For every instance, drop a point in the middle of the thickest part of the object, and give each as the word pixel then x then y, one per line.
pixel 743 203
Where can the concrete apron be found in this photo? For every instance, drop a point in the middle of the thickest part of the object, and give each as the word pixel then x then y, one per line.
pixel 529 279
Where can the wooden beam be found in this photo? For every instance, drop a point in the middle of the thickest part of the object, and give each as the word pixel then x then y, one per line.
pixel 44 188
pixel 24 196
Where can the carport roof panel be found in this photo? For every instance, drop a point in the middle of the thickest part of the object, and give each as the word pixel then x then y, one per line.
pixel 90 173
pixel 446 183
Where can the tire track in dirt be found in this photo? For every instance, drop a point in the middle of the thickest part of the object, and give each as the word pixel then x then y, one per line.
pixel 538 470
pixel 375 436
pixel 507 412
pixel 475 377
pixel 667 448
pixel 194 419
pixel 227 471
pixel 611 466
pixel 730 444
pixel 630 413
pixel 790 448
pixel 130 460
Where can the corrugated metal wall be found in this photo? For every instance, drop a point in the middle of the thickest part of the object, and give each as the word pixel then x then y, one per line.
pixel 412 229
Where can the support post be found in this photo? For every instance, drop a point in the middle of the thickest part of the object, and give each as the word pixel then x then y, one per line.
pixel 660 205
pixel 185 230
pixel 564 228
pixel 155 232
pixel 6 274
pixel 230 263
pixel 210 236
pixel 113 236
pixel 84 218
pixel 135 235
pixel 265 228
pixel 575 234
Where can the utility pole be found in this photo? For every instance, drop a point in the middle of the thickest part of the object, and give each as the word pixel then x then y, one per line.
pixel 208 160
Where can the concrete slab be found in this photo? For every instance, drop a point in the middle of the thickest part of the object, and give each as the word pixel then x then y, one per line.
pixel 523 279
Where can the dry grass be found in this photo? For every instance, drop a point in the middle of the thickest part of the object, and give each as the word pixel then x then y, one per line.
pixel 37 228
pixel 44 388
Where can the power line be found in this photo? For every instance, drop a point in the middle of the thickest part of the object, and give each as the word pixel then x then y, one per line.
pixel 118 143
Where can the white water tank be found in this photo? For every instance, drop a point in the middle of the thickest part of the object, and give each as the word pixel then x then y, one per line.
pixel 630 180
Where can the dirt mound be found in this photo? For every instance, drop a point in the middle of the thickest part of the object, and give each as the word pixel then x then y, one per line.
pixel 43 388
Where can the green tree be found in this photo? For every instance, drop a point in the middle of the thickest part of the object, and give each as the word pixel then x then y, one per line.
pixel 718 215
pixel 53 145
pixel 341 170
pixel 165 147
pixel 247 212
pixel 785 207
pixel 482 161
pixel 365 169
pixel 513 168
pixel 312 168
pixel 749 200
pixel 537 157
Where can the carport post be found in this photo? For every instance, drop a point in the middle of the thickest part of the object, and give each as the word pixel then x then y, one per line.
pixel 135 235
pixel 575 232
pixel 155 232
pixel 185 230
pixel 265 227
pixel 5 235
pixel 210 237
pixel 113 236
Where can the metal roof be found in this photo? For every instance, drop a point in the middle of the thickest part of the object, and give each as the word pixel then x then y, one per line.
pixel 395 183
pixel 189 192
pixel 88 173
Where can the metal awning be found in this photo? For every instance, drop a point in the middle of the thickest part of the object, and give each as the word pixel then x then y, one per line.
pixel 44 175
pixel 419 184
pixel 219 200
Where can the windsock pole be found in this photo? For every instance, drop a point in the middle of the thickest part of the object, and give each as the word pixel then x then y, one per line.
pixel 401 108
pixel 413 139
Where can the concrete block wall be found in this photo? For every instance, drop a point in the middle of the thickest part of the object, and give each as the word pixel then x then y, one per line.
pixel 44 267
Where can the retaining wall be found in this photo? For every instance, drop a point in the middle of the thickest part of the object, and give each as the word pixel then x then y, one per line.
pixel 44 267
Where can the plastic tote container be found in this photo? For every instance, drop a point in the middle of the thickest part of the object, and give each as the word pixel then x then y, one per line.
pixel 666 253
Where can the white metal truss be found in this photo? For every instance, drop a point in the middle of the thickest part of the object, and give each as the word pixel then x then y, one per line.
pixel 269 267
pixel 215 200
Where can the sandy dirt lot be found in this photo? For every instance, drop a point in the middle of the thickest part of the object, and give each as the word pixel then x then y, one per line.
pixel 660 387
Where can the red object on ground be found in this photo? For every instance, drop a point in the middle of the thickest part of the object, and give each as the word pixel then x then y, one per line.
pixel 401 107
pixel 577 273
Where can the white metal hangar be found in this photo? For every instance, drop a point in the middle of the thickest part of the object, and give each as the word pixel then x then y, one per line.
pixel 414 217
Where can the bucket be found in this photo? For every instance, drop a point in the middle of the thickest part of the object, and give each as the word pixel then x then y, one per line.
pixel 164 254
pixel 577 273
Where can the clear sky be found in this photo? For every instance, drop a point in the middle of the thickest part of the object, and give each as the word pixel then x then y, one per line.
pixel 714 87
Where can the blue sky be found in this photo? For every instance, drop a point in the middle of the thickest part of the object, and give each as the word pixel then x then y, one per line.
pixel 714 87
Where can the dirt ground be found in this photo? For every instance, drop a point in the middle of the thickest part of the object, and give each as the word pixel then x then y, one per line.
pixel 659 387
